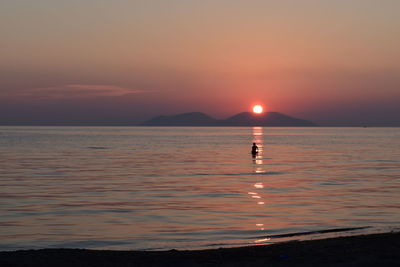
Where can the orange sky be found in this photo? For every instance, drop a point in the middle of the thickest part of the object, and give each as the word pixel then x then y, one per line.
pixel 334 62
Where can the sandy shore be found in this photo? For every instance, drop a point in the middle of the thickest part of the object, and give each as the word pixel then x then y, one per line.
pixel 366 250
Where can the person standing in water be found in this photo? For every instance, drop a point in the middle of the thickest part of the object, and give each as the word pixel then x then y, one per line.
pixel 254 149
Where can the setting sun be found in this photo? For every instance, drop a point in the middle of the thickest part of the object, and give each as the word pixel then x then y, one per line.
pixel 257 109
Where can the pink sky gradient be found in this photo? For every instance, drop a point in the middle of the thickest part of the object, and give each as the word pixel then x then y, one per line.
pixel 332 62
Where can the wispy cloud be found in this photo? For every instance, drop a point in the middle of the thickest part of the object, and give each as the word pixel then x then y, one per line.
pixel 75 91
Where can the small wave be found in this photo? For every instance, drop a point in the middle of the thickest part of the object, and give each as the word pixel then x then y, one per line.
pixel 335 230
pixel 97 147
pixel 247 173
pixel 89 244
pixel 229 174
pixel 48 173
pixel 382 160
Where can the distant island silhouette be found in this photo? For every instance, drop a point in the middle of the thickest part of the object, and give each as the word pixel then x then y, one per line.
pixel 241 119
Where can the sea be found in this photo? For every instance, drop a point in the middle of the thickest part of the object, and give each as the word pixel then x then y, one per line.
pixel 162 188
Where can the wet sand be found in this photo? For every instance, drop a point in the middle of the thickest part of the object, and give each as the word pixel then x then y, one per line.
pixel 366 250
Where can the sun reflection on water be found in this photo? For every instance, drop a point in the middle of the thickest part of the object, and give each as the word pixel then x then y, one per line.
pixel 258 185
pixel 258 163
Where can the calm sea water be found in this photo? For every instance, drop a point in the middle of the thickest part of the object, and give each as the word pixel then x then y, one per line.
pixel 164 188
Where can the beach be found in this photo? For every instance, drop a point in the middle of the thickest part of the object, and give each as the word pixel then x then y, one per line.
pixel 365 250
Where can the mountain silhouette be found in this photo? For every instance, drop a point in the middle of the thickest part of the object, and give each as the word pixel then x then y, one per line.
pixel 241 119
pixel 266 119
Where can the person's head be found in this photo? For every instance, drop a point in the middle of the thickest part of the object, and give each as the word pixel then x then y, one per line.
pixel 254 144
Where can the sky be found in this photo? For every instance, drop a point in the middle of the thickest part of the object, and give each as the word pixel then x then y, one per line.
pixel 99 61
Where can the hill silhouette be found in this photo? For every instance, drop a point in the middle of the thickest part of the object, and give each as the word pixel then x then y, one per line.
pixel 266 119
pixel 241 119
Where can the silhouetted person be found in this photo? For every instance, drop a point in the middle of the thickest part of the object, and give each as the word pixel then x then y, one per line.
pixel 254 149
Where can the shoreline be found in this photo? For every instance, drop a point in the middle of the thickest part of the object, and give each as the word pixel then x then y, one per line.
pixel 359 250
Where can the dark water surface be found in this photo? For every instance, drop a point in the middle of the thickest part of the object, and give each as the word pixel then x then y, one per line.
pixel 164 188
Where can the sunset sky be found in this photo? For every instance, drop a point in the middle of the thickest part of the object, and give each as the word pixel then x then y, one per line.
pixel 69 61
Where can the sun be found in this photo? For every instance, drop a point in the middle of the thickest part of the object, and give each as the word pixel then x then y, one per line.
pixel 258 109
